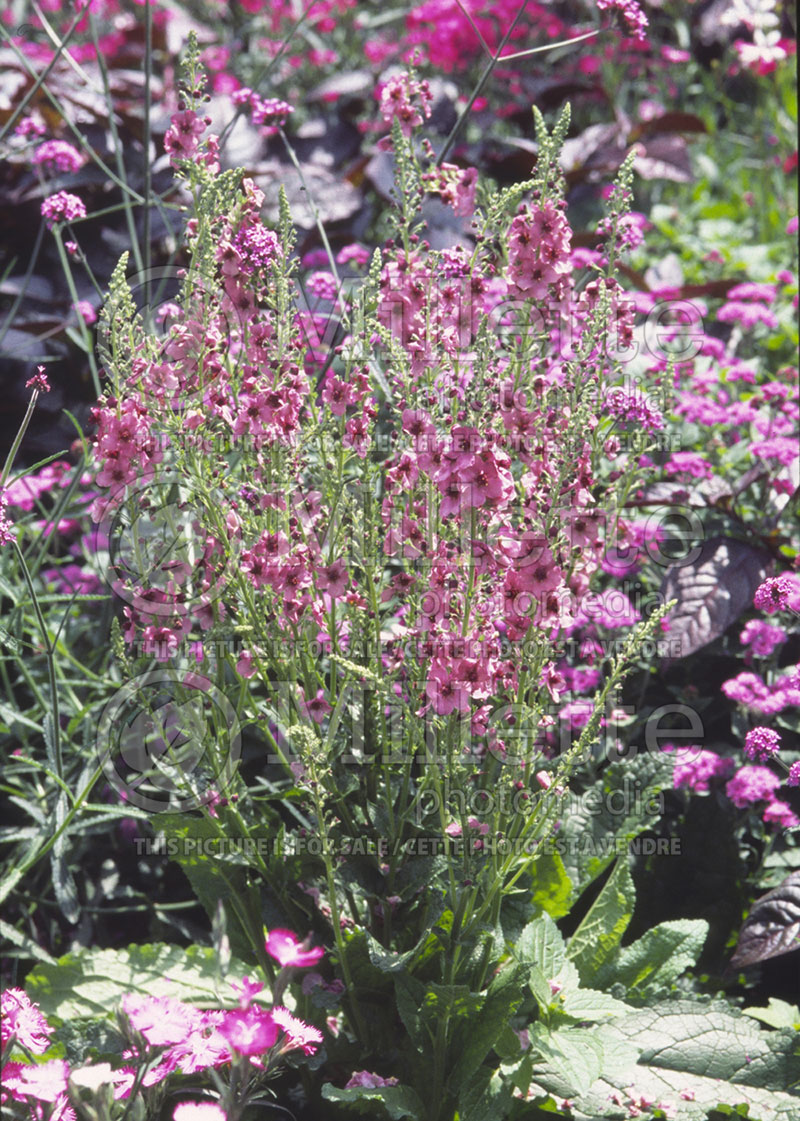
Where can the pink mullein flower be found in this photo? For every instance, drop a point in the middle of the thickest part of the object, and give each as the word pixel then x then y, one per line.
pixel 317 708
pixel 445 693
pixel 39 381
pixel 407 100
pixel 6 526
pixel 182 138
pixel 333 579
pixel 635 19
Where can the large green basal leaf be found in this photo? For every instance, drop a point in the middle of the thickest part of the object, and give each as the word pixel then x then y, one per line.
pixel 91 983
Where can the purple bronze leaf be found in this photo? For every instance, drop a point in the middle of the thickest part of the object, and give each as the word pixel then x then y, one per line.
pixel 712 590
pixel 773 925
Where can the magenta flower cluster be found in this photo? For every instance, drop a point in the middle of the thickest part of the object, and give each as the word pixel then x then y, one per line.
pixel 696 768
pixel 761 743
pixel 62 207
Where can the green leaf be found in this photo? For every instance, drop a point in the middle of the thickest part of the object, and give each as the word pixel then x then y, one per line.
pixel 410 994
pixel 598 936
pixel 475 1040
pixel 394 1102
pixel 10 716
pixel 64 886
pixel 657 959
pixel 214 878
pixel 91 982
pixel 28 948
pixel 486 1097
pixel 571 1059
pixel 588 1004
pixel 540 987
pixel 542 944
pixel 550 886
pixel 625 802
pixel 714 1042
pixel 778 1014
pixel 386 960
pixel 693 1057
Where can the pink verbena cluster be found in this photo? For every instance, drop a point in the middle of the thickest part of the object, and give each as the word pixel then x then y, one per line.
pixel 761 744
pixel 762 638
pixel 367 1079
pixel 257 248
pixel 58 155
pixel 62 207
pixel 778 593
pixel 751 691
pixel 268 114
pixel 751 785
pixel 634 407
pixel 696 768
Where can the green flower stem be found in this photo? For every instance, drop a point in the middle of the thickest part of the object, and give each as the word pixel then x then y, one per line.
pixel 49 648
pixel 85 334
pixel 358 1022
pixel 12 455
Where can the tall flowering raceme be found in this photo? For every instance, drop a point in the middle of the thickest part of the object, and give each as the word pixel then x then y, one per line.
pixel 487 533
pixel 415 519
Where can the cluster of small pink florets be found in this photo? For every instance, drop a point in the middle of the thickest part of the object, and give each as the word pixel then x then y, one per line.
pixel 59 155
pixel 696 768
pixel 267 113
pixel 62 207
